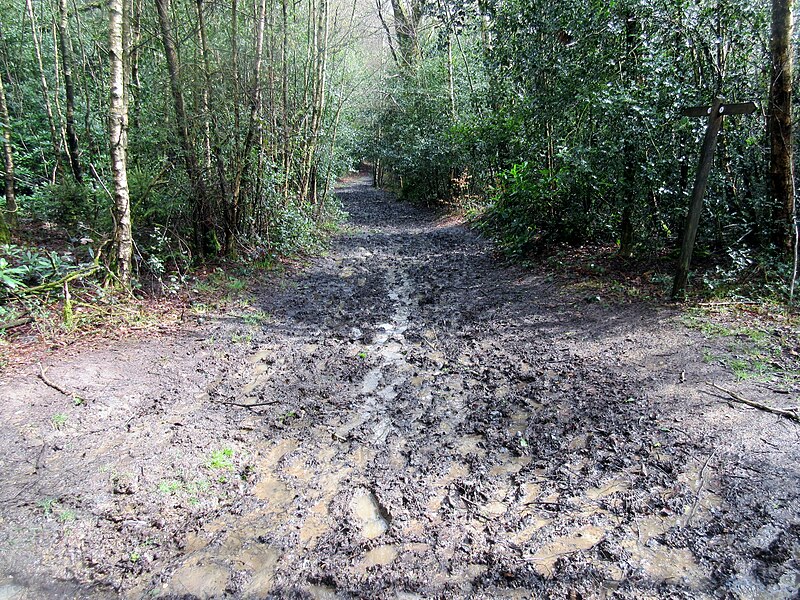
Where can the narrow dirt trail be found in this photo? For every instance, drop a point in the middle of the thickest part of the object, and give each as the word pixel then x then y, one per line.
pixel 412 420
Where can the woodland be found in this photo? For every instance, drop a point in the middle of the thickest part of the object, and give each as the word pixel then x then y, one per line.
pixel 150 139
pixel 398 299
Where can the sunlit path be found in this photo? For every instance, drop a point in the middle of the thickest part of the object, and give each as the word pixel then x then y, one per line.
pixel 407 418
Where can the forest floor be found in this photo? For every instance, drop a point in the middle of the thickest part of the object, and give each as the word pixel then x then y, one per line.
pixel 405 417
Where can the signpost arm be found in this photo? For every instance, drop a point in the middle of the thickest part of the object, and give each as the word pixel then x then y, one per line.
pixel 698 192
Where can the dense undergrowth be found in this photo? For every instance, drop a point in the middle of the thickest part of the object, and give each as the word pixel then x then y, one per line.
pixel 57 284
pixel 558 128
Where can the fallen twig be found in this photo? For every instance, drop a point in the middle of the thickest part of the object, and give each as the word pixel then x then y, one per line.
pixel 701 482
pixel 783 412
pixel 732 303
pixel 71 395
pixel 43 376
pixel 244 405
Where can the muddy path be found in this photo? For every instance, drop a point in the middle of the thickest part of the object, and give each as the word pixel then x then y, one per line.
pixel 404 418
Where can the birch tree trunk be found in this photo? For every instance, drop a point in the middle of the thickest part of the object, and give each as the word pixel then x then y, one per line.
pixel 10 216
pixel 118 142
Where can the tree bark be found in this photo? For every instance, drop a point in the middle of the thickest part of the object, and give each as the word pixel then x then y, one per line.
pixel 627 235
pixel 235 60
pixel 134 81
pixel 233 213
pixel 211 140
pixel 118 142
pixel 308 186
pixel 781 172
pixel 406 24
pixel 10 216
pixel 65 45
pixel 204 238
pixel 37 47
pixel 287 159
pixel 205 85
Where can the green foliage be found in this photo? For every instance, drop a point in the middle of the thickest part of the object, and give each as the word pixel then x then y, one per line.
pixel 11 277
pixel 25 266
pixel 294 229
pixel 268 189
pixel 68 203
pixel 170 487
pixel 528 211
pixel 256 318
pixel 58 421
pixel 221 459
pixel 749 273
pixel 192 491
pixel 756 341
pixel 566 121
pixel 52 507
pixel 242 338
pixel 47 505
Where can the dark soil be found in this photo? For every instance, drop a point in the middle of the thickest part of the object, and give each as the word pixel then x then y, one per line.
pixel 404 418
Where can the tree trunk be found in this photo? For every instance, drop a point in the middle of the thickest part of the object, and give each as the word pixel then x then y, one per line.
pixel 65 45
pixel 781 172
pixel 134 81
pixel 205 85
pixel 235 61
pixel 118 142
pixel 451 87
pixel 255 104
pixel 407 21
pixel 285 100
pixel 204 237
pixel 627 235
pixel 210 106
pixel 37 47
pixel 308 188
pixel 10 216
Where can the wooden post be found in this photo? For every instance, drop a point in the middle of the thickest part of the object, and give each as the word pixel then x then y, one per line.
pixel 715 113
pixel 698 192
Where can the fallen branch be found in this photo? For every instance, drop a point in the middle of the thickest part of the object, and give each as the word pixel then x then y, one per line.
pixel 60 283
pixel 783 412
pixel 55 285
pixel 72 395
pixel 731 303
pixel 16 323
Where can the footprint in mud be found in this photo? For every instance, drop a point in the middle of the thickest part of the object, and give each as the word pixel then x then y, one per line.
pixel 369 514
pixel 380 556
pixel 200 580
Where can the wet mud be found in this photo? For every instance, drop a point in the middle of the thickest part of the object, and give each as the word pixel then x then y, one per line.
pixel 412 419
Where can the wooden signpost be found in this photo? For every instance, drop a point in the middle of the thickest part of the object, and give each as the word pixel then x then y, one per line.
pixel 715 113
